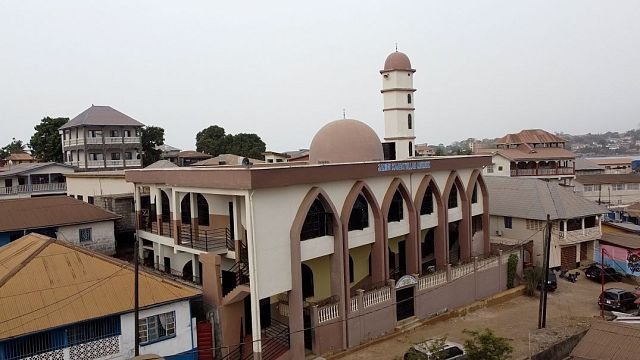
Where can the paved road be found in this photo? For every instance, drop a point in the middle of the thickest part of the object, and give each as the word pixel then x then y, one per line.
pixel 572 305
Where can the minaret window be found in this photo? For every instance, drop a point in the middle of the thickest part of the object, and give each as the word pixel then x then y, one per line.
pixel 409 98
pixel 409 121
pixel 410 148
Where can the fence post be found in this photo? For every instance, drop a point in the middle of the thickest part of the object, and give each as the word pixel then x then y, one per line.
pixel 448 272
pixel 475 264
pixel 360 299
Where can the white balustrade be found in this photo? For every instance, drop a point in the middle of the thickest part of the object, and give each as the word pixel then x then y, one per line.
pixel 354 304
pixel 328 312
pixel 376 296
pixel 283 309
pixel 488 263
pixel 432 280
pixel 461 270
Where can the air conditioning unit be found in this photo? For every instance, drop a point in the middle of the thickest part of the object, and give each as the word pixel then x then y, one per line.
pixel 499 232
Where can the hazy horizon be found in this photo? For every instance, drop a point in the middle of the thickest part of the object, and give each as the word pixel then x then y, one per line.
pixel 284 69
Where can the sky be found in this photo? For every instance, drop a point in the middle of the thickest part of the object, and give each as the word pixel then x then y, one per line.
pixel 284 69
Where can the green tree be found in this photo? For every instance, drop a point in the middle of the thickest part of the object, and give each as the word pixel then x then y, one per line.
pixel 151 136
pixel 14 146
pixel 485 345
pixel 214 141
pixel 45 142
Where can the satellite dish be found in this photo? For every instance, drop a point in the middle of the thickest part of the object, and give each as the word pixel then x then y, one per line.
pixel 246 163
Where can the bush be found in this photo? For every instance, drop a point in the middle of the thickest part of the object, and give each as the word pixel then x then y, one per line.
pixel 532 277
pixel 485 345
pixel 512 267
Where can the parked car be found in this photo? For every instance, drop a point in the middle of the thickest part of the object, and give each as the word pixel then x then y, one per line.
pixel 552 282
pixel 594 272
pixel 451 351
pixel 617 299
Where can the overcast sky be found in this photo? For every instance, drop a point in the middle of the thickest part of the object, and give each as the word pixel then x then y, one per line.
pixel 284 69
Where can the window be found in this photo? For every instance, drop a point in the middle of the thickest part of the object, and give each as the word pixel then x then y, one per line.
pixel 617 187
pixel 359 218
pixel 95 133
pixel 269 160
pixel 409 98
pixel 490 169
pixel 588 188
pixel 115 156
pixel 128 155
pixel 453 197
pixel 80 197
pixel 114 133
pixel 92 330
pixel 90 200
pixel 157 327
pixel 499 168
pixel 278 160
pixel 508 222
pixel 410 148
pixel 633 186
pixel 317 223
pixel 126 133
pixel 535 225
pixel 396 208
pixel 409 121
pixel 427 202
pixel 85 235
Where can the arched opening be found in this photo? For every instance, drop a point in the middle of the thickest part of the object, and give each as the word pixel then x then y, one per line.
pixel 307 281
pixel 359 218
pixel 396 208
pixel 187 271
pixel 410 148
pixel 317 223
pixel 409 121
pixel 185 210
pixel 203 210
pixel 166 208
pixel 452 201
pixel 409 98
pixel 351 270
pixel 428 249
pixel 454 242
pixel 426 208
pixel 474 194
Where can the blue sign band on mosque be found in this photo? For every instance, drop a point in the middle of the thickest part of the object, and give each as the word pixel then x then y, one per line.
pixel 404 166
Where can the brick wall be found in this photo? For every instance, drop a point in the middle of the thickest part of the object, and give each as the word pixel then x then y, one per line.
pixel 121 206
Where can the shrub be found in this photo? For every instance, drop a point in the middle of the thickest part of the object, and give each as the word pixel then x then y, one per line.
pixel 532 277
pixel 512 266
pixel 485 345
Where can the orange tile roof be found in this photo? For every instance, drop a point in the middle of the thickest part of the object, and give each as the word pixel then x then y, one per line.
pixel 46 283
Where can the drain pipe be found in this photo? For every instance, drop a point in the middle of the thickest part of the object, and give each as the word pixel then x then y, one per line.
pixel 255 301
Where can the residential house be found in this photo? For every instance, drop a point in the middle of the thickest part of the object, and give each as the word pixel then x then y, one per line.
pixel 609 189
pixel 19 157
pixel 100 138
pixel 189 157
pixel 614 164
pixel 59 217
pixel 531 153
pixel 60 301
pixel 275 157
pixel 424 150
pixel 168 152
pixel 588 167
pixel 33 179
pixel 620 246
pixel 227 159
pixel 519 209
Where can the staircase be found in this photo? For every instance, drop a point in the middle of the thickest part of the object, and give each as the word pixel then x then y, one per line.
pixel 275 342
pixel 205 341
pixel 240 288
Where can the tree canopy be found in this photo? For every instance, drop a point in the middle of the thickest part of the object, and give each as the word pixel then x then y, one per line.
pixel 45 142
pixel 214 141
pixel 151 136
pixel 13 147
pixel 485 345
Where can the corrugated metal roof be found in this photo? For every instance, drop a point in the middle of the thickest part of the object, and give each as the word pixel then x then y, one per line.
pixel 609 341
pixel 161 164
pixel 534 199
pixel 101 116
pixel 585 164
pixel 595 179
pixel 46 283
pixel 49 211
pixel 27 167
pixel 530 136
pixel 631 241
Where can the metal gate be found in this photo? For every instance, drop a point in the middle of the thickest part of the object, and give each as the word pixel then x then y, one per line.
pixel 404 303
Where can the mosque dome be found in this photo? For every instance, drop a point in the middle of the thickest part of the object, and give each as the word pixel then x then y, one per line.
pixel 397 61
pixel 345 141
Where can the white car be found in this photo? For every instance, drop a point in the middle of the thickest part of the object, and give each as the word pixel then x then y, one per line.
pixel 451 351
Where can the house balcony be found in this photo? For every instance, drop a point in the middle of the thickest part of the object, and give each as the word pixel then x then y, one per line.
pixel 218 241
pixel 578 236
pixel 543 172
pixel 16 191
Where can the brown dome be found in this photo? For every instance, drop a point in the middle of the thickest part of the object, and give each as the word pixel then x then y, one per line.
pixel 345 141
pixel 397 61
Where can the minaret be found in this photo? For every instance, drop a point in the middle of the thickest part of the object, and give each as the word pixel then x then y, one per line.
pixel 397 93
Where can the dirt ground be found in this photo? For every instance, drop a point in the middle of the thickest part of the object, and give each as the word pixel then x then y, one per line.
pixel 571 306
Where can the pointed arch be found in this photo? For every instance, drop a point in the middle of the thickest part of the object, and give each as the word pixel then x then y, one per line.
pixel 477 179
pixel 296 323
pixel 412 258
pixel 441 247
pixel 378 248
pixel 464 228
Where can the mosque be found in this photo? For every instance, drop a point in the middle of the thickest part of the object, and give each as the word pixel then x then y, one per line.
pixel 323 255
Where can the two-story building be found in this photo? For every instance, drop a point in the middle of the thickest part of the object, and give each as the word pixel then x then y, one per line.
pixel 613 190
pixel 33 179
pixel 326 254
pixel 61 301
pixel 519 209
pixel 100 138
pixel 531 153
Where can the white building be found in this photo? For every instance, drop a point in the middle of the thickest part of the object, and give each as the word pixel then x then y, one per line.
pixel 33 179
pixel 83 308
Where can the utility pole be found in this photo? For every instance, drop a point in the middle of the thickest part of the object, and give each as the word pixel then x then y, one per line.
pixel 542 308
pixel 136 287
pixel 602 281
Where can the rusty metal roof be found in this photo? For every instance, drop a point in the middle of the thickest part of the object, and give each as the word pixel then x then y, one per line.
pixel 46 283
pixel 530 136
pixel 49 211
pixel 608 341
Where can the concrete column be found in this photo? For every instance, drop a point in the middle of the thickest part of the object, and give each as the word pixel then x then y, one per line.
pixel 195 269
pixel 566 227
pixel 256 332
pixel 175 215
pixel 157 193
pixel 193 211
pixel 584 231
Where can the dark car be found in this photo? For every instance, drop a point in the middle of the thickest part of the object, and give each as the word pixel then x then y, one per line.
pixel 594 272
pixel 552 282
pixel 618 299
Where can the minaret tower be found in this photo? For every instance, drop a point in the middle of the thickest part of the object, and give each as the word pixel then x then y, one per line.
pixel 397 93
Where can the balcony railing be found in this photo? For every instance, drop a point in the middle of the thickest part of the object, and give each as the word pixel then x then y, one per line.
pixel 576 236
pixel 206 240
pixel 543 171
pixel 115 163
pixel 33 188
